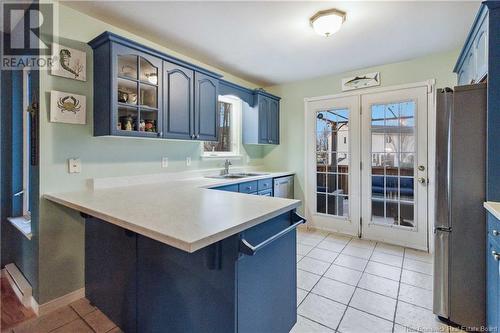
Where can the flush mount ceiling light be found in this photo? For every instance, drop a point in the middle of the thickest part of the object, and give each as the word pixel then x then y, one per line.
pixel 327 22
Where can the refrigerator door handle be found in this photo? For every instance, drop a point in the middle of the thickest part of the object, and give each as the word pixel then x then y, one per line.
pixel 441 275
pixel 444 229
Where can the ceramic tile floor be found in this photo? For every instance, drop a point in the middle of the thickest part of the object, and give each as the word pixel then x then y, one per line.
pixel 78 317
pixel 350 285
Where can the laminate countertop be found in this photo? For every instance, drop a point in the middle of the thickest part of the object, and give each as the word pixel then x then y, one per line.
pixel 493 207
pixel 185 213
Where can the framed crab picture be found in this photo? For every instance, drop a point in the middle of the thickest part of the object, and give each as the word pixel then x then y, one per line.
pixel 68 62
pixel 67 108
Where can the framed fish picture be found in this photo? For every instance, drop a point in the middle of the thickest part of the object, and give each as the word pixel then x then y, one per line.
pixel 69 63
pixel 67 108
pixel 361 81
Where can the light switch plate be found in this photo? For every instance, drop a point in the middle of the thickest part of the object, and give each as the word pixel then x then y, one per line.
pixel 188 161
pixel 164 162
pixel 74 165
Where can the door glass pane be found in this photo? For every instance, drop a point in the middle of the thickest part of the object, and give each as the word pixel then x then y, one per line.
pixel 332 162
pixel 393 162
pixel 127 66
pixel 148 73
pixel 321 203
pixel 148 96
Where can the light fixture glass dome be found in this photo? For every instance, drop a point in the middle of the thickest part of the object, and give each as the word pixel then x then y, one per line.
pixel 327 22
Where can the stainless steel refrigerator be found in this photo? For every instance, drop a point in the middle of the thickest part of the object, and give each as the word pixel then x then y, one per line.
pixel 460 225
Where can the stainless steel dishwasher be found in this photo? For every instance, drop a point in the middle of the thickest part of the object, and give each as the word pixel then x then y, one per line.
pixel 283 187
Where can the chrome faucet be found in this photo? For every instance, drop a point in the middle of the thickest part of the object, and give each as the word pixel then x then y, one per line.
pixel 227 163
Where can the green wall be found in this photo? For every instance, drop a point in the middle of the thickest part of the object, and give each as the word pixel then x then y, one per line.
pixel 61 232
pixel 289 155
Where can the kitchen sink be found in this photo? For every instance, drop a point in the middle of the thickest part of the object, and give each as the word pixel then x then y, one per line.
pixel 237 175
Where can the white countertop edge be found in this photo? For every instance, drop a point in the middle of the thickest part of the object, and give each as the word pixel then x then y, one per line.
pixel 174 242
pixel 493 207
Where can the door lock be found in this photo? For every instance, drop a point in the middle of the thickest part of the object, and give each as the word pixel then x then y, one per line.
pixel 421 168
pixel 422 180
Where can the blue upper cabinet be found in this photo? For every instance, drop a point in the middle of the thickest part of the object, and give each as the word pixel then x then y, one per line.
pixel 472 65
pixel 178 105
pixel 205 111
pixel 261 123
pixel 141 92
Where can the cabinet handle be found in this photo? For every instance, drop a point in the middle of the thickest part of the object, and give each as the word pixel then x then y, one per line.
pixel 495 232
pixel 495 255
pixel 247 248
pixel 249 187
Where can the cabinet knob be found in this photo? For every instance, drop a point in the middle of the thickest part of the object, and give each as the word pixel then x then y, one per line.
pixel 160 134
pixel 197 136
pixel 495 232
pixel 495 255
pixel 192 136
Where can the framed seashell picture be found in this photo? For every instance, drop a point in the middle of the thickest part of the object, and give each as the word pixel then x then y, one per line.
pixel 67 108
pixel 68 62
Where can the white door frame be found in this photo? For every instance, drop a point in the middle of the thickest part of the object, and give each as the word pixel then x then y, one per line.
pixel 431 144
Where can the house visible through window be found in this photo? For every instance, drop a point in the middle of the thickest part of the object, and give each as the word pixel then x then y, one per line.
pixel 228 127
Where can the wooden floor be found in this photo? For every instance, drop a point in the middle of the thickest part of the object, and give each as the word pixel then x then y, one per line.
pixel 13 311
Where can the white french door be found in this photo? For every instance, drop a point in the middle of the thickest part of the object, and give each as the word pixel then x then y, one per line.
pixel 366 165
pixel 333 198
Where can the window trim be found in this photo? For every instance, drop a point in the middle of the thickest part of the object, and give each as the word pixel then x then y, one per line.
pixel 26 143
pixel 235 131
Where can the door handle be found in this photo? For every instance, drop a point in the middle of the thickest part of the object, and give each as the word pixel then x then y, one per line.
pixel 495 232
pixel 421 168
pixel 495 255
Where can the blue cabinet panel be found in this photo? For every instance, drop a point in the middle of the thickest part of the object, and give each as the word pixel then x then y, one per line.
pixel 493 275
pixel 472 64
pixel 248 187
pixel 265 184
pixel 260 307
pixel 206 113
pixel 266 193
pixel 110 271
pixel 229 188
pixel 261 123
pixel 178 106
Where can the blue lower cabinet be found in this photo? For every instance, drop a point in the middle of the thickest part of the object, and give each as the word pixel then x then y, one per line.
pixel 266 193
pixel 493 274
pixel 248 187
pixel 110 271
pixel 147 286
pixel 229 188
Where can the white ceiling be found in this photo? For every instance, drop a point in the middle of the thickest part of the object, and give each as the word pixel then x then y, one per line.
pixel 272 42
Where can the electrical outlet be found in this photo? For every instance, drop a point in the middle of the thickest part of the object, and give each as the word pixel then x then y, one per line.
pixel 164 162
pixel 188 161
pixel 74 165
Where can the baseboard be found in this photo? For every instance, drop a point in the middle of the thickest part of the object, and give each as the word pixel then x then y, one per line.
pixel 18 283
pixel 60 301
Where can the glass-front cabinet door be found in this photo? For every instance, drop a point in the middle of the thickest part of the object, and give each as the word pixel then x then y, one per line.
pixel 136 93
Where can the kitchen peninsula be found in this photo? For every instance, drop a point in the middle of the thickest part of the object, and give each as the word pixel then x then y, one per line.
pixel 186 257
